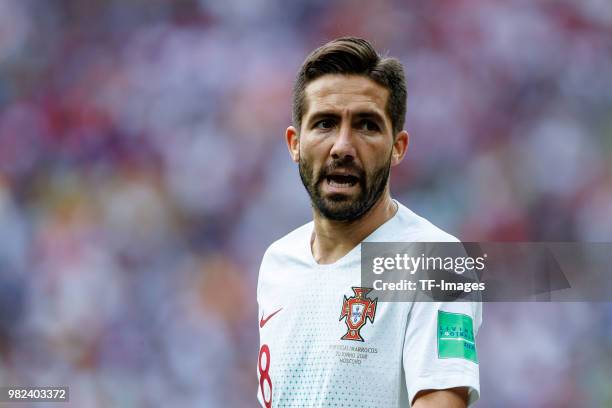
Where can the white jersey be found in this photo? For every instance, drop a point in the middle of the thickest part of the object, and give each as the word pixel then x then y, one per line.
pixel 310 357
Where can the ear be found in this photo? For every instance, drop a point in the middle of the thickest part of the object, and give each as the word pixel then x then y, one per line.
pixel 400 147
pixel 293 143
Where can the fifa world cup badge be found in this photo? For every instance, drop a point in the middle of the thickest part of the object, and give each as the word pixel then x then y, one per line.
pixel 356 310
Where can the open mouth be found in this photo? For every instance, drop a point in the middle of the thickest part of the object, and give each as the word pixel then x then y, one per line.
pixel 341 181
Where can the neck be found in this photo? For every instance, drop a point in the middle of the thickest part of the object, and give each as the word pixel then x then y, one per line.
pixel 331 240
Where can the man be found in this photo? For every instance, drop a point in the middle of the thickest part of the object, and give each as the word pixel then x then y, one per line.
pixel 348 115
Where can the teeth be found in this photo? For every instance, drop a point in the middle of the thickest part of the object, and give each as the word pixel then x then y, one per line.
pixel 340 184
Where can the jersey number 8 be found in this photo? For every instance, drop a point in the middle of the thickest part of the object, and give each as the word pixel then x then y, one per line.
pixel 264 375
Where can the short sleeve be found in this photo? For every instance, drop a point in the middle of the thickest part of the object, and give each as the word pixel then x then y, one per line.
pixel 440 347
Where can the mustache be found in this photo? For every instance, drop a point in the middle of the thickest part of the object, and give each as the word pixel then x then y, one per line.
pixel 341 164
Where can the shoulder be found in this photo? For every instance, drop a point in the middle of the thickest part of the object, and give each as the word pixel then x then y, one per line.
pixel 413 227
pixel 290 246
pixel 284 254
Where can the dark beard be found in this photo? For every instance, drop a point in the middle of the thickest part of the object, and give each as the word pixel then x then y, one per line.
pixel 339 207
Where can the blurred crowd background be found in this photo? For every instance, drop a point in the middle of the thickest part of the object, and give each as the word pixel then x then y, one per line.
pixel 143 173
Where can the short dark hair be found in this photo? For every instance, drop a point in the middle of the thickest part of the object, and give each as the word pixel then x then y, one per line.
pixel 351 55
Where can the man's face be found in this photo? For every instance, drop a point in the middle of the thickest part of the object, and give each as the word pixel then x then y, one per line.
pixel 345 145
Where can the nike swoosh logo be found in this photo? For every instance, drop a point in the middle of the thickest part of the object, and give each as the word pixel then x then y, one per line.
pixel 263 321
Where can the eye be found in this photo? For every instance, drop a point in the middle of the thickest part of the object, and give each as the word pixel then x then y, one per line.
pixel 325 124
pixel 368 125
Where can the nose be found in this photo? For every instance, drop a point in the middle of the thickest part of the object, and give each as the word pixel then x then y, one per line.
pixel 344 144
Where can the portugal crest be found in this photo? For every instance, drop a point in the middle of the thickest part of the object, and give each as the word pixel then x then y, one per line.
pixel 356 310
